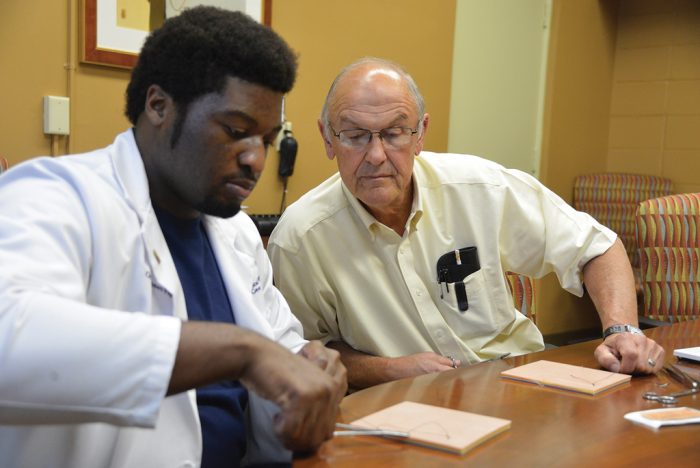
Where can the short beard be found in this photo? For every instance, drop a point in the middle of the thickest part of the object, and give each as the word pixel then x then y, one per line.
pixel 212 207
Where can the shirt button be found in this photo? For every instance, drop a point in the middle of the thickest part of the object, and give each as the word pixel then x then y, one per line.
pixel 439 334
pixel 419 293
pixel 188 464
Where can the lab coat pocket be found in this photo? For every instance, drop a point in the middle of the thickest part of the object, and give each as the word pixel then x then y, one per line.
pixel 162 302
pixel 482 318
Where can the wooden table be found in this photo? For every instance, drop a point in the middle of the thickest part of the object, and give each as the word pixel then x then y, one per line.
pixel 549 427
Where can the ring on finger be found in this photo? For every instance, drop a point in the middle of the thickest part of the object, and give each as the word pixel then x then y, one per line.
pixel 651 362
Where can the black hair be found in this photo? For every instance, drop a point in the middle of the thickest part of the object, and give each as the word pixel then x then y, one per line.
pixel 195 52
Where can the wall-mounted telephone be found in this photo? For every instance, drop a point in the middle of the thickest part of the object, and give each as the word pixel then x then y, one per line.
pixel 288 147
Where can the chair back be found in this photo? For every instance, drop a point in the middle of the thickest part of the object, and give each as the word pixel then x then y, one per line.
pixel 612 199
pixel 668 234
pixel 523 291
pixel 4 165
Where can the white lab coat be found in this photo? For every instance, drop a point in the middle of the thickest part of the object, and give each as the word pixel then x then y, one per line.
pixel 90 313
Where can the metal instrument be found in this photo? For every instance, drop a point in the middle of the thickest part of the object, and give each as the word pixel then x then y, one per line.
pixel 351 430
pixel 681 376
pixel 672 398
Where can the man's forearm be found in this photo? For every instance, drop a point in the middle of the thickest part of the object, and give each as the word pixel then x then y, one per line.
pixel 610 283
pixel 364 370
pixel 210 352
pixel 307 393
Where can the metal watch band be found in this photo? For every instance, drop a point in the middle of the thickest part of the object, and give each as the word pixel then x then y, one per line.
pixel 621 329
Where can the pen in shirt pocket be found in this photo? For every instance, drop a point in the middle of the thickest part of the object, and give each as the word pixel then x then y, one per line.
pixel 455 265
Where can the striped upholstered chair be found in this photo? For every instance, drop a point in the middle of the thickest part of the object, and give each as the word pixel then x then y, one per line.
pixel 668 235
pixel 523 291
pixel 612 199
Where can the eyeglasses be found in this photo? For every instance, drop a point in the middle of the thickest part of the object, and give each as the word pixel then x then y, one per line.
pixel 392 137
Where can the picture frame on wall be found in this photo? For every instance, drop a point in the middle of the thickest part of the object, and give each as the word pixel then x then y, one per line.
pixel 110 38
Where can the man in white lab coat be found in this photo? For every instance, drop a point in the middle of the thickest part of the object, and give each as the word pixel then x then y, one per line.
pixel 138 319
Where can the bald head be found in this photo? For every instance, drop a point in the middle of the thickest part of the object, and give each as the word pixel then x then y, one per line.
pixel 375 75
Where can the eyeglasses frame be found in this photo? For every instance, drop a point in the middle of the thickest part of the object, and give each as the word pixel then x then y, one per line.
pixel 371 133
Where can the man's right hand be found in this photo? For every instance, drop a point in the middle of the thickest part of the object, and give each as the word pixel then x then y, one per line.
pixel 306 393
pixel 420 363
pixel 365 370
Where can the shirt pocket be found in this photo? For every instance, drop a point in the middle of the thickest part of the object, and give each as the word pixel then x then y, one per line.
pixel 482 319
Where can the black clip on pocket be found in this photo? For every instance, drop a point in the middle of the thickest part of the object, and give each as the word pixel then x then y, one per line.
pixel 453 267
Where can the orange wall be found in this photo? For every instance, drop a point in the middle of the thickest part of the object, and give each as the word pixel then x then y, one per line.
pixel 39 55
pixel 575 129
pixel 28 72
pixel 98 100
pixel 609 101
pixel 623 94
pixel 329 34
pixel 655 112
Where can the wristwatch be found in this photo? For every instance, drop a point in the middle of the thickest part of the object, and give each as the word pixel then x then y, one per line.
pixel 621 329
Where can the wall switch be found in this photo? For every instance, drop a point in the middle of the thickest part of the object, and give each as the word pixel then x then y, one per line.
pixel 56 115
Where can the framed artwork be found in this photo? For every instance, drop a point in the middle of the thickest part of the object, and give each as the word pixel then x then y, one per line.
pixel 107 40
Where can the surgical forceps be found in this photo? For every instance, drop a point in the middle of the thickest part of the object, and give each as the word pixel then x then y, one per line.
pixel 672 398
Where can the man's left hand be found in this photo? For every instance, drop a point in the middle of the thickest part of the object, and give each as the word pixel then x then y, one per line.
pixel 328 360
pixel 630 353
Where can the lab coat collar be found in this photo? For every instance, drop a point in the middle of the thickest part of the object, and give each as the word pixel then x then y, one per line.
pixel 130 174
pixel 222 238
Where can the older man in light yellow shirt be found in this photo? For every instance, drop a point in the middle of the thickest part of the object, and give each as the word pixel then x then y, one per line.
pixel 357 257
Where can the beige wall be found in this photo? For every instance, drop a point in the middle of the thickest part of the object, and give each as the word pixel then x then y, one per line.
pixel 655 111
pixel 575 136
pixel 498 91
